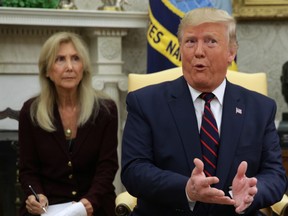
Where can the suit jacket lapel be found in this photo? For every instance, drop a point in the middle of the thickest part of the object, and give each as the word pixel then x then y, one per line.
pixel 82 133
pixel 59 135
pixel 232 122
pixel 182 108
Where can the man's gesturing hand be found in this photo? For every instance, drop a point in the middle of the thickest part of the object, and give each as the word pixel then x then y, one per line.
pixel 243 188
pixel 198 187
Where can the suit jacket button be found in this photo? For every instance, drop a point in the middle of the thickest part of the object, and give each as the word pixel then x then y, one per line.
pixel 69 164
pixel 74 193
pixel 70 176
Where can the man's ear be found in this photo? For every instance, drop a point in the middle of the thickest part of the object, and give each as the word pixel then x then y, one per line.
pixel 232 54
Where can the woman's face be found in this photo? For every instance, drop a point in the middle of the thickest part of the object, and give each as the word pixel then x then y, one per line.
pixel 67 70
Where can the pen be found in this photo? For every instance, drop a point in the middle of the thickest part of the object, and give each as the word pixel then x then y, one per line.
pixel 36 196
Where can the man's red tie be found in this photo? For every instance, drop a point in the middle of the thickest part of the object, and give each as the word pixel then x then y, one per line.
pixel 209 136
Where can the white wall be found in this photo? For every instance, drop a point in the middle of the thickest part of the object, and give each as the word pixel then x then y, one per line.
pixel 14 90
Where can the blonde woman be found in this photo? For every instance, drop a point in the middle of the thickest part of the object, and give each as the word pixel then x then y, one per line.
pixel 67 134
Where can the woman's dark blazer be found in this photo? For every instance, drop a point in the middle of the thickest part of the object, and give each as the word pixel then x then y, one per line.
pixel 88 172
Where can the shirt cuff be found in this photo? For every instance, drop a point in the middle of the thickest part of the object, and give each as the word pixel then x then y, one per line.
pixel 190 202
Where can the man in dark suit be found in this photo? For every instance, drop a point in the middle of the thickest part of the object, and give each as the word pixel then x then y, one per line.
pixel 163 161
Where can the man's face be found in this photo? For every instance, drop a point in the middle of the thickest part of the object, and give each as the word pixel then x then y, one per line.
pixel 206 55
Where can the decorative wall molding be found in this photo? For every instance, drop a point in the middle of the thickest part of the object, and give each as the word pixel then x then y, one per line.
pixel 120 81
pixel 72 18
pixel 107 32
pixel 6 30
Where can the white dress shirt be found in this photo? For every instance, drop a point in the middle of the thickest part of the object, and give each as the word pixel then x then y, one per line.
pixel 216 106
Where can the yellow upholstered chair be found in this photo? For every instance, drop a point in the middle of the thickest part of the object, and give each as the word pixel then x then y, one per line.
pixel 253 81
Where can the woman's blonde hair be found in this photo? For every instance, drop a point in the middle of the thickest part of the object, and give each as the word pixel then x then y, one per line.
pixel 42 109
pixel 209 15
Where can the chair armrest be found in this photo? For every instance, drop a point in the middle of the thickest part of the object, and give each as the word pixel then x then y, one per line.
pixel 280 208
pixel 124 204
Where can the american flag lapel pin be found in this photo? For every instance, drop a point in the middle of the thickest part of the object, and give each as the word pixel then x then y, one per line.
pixel 238 111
